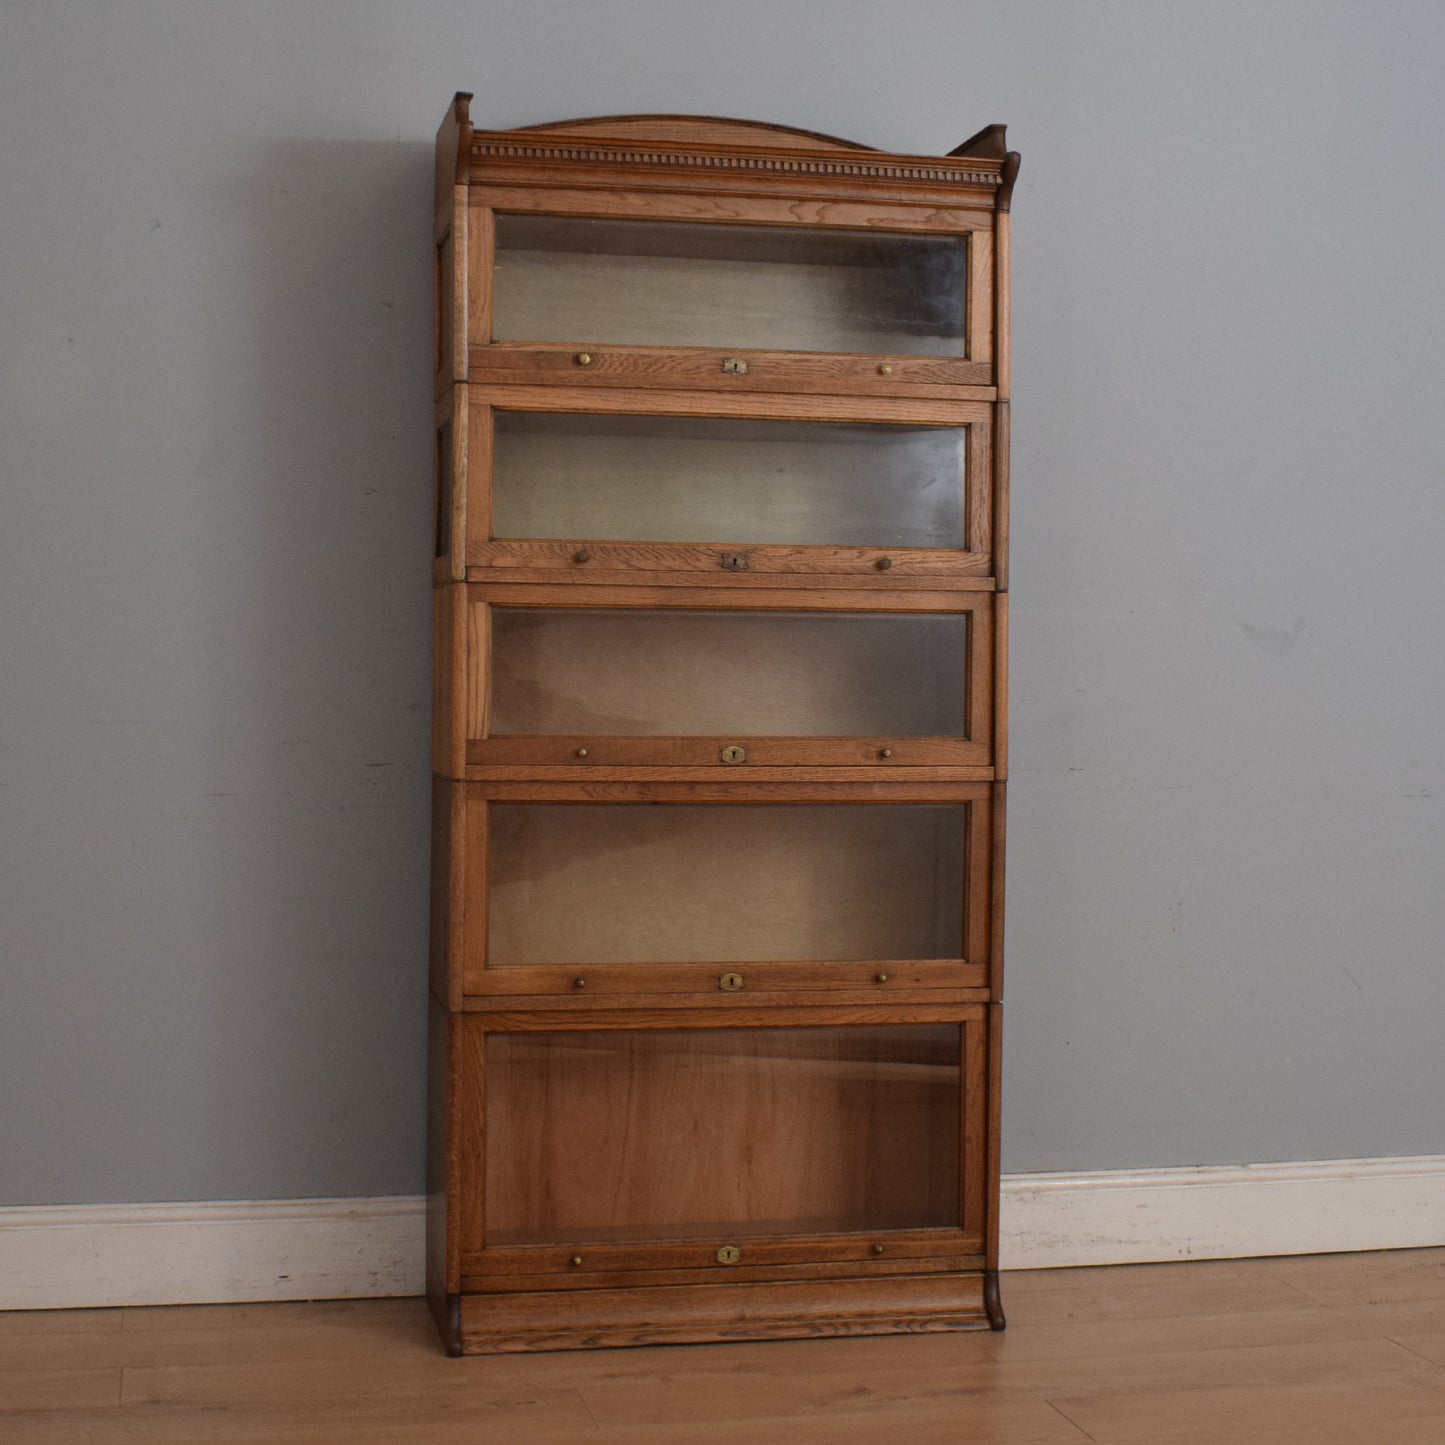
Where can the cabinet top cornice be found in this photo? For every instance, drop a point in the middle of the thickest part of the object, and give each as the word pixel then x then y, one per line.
pixel 658 144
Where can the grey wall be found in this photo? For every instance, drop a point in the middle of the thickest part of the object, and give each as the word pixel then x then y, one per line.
pixel 1226 880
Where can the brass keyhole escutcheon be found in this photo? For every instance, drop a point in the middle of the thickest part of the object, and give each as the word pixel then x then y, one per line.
pixel 734 755
pixel 735 366
pixel 730 982
pixel 729 1254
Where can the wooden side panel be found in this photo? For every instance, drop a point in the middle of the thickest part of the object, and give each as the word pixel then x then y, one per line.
pixel 449 494
pixel 443 1269
pixel 449 295
pixel 995 1074
pixel 996 887
pixel 450 268
pixel 979 685
pixel 447 802
pixel 472 886
pixel 980 296
pixel 475 471
pixel 481 253
pixel 999 549
pixel 477 704
pixel 1001 312
pixel 449 680
pixel 469 1141
pixel 998 693
pixel 974 1181
pixel 452 153
pixel 980 490
pixel 978 882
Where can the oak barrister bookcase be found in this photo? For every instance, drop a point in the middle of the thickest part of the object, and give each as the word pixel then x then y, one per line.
pixel 720 621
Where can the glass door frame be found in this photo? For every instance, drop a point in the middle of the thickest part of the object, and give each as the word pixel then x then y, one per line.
pixel 485 752
pixel 886 374
pixel 466 449
pixel 489 1268
pixel 816 982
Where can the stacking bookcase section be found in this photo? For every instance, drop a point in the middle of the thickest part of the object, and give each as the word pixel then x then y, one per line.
pixel 733 683
pixel 719 733
pixel 828 1163
pixel 670 486
pixel 718 896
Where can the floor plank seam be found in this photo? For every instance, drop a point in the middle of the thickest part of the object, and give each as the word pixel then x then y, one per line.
pixel 1411 1350
pixel 1299 1290
pixel 587 1405
pixel 1060 1411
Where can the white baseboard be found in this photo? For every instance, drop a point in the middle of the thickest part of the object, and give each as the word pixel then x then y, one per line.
pixel 99 1255
pixel 95 1255
pixel 1139 1216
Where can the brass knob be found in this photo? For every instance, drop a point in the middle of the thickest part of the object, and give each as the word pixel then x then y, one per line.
pixel 884 369
pixel 584 358
pixel 579 983
pixel 877 1249
pixel 883 563
pixel 576 1259
pixel 885 752
pixel 582 555
pixel 581 752
pixel 880 978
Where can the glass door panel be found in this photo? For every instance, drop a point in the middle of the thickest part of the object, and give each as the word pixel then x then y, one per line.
pixel 772 288
pixel 724 1132
pixel 598 883
pixel 556 671
pixel 697 479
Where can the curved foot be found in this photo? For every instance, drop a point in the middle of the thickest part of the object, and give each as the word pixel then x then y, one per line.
pixel 992 1302
pixel 447 1312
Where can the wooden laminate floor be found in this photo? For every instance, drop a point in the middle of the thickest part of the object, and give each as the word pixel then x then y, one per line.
pixel 1320 1349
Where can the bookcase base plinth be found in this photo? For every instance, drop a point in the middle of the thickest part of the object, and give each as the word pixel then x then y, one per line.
pixel 696 1314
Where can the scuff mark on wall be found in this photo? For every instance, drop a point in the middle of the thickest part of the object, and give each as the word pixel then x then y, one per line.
pixel 1274 640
